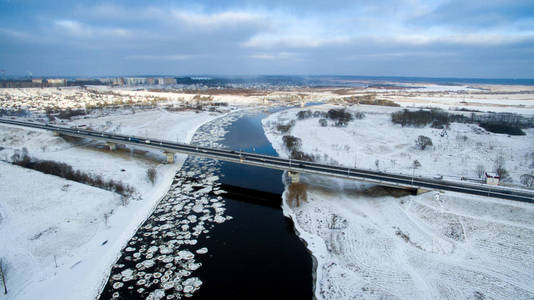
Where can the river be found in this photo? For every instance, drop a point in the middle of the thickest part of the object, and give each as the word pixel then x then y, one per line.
pixel 234 245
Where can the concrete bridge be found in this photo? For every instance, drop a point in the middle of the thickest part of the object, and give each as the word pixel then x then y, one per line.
pixel 294 167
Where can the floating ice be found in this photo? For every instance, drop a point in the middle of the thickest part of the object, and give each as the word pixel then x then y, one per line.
pixel 116 277
pixel 158 294
pixel 168 285
pixel 193 281
pixel 198 208
pixel 148 263
pixel 219 219
pixel 165 250
pixel 118 285
pixel 202 250
pixel 141 282
pixel 184 254
pixel 193 266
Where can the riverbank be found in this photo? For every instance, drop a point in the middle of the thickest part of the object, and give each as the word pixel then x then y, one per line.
pixel 370 243
pixel 62 237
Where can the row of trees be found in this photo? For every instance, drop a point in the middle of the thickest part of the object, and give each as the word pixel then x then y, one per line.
pixel 63 170
pixel 506 123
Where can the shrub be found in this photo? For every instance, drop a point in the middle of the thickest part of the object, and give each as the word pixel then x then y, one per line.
pixel 296 154
pixel 69 113
pixel 422 142
pixel 359 115
pixel 340 116
pixel 527 179
pixel 297 193
pixel 318 114
pixel 3 274
pixel 503 174
pixel 151 175
pixel 304 114
pixel 291 142
pixel 284 128
pixel 323 122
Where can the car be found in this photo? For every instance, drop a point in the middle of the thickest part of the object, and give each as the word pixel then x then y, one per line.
pixel 147 141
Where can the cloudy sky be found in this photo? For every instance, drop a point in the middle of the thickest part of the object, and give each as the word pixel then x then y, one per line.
pixel 442 38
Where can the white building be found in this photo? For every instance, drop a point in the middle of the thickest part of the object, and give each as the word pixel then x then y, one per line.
pixel 492 178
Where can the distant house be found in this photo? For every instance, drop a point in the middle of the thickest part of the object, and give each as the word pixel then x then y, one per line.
pixel 37 81
pixel 492 178
pixel 56 82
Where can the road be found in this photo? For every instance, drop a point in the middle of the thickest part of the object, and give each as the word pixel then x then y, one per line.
pixel 267 161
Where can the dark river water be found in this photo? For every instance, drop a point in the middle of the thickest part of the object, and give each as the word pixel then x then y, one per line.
pixel 257 254
pixel 254 255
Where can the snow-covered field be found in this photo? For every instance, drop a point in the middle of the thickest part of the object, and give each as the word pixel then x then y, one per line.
pixel 374 142
pixel 369 244
pixel 57 240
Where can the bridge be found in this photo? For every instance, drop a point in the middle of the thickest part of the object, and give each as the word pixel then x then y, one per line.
pixel 294 167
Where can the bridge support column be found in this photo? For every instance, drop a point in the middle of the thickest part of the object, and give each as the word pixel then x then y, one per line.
pixel 295 177
pixel 170 157
pixel 112 146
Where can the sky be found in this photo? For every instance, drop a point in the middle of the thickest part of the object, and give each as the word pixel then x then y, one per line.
pixel 442 38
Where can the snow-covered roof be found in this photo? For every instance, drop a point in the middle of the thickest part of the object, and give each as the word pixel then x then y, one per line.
pixel 492 175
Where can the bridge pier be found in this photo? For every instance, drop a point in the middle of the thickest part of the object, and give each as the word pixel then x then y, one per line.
pixel 295 177
pixel 170 157
pixel 112 146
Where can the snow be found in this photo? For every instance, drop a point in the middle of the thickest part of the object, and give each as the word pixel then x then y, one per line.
pixel 369 244
pixel 375 138
pixel 54 220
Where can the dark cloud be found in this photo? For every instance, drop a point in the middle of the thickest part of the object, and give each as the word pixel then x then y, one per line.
pixel 413 38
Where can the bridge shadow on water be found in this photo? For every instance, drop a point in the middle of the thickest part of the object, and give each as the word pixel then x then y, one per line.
pixel 257 255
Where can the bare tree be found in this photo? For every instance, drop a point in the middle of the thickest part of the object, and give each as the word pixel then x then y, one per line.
pixel 422 142
pixel 527 179
pixel 480 171
pixel 151 175
pixel 3 273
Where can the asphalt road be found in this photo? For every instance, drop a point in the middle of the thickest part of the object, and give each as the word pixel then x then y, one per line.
pixel 387 179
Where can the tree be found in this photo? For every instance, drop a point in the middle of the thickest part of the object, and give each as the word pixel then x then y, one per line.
pixel 422 142
pixel 416 164
pixel 3 272
pixel 527 179
pixel 480 171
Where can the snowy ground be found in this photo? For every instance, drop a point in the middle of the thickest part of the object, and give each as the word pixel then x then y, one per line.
pixel 369 244
pixel 49 220
pixel 375 138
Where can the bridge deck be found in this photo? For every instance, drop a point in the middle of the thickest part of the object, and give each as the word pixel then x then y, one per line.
pixel 266 161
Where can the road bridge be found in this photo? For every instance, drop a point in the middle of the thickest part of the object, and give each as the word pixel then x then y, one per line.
pixel 290 165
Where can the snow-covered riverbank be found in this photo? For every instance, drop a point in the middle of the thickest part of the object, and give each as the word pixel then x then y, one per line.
pixel 60 237
pixel 370 244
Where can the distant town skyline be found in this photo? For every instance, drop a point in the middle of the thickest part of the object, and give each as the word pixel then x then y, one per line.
pixel 448 38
